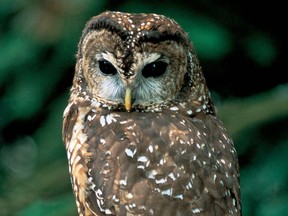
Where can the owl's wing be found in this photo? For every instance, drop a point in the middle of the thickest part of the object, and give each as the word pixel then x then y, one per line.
pixel 158 164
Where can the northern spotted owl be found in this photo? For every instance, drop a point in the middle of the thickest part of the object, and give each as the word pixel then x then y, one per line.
pixel 140 129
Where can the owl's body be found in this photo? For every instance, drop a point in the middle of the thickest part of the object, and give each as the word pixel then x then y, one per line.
pixel 140 129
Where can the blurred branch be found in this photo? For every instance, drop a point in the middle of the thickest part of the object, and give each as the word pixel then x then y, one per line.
pixel 240 114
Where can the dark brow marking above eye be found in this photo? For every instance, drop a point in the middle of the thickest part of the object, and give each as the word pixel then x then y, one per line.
pixel 155 36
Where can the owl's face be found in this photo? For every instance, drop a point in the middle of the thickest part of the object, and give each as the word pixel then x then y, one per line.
pixel 151 73
pixel 134 60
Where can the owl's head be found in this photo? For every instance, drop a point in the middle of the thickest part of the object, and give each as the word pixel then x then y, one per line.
pixel 137 61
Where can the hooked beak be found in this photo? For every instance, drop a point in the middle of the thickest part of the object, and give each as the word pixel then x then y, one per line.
pixel 128 99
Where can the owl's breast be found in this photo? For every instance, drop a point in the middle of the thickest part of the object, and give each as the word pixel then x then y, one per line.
pixel 147 162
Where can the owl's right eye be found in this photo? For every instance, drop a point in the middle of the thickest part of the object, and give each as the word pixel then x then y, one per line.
pixel 107 68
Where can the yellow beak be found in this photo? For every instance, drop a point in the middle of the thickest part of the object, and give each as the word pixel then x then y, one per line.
pixel 128 103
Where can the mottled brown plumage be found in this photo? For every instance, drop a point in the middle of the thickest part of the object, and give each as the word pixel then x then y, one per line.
pixel 140 129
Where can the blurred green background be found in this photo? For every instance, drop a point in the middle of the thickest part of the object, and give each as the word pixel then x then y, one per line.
pixel 242 53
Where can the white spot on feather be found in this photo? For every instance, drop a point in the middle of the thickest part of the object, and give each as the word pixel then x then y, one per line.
pixel 150 148
pixel 115 199
pixel 123 182
pixel 160 181
pixel 167 192
pixel 110 119
pixel 162 161
pixel 174 108
pixel 129 196
pixel 130 152
pixel 196 210
pixel 230 165
pixel 108 211
pixel 234 202
pixel 198 134
pixel 102 121
pixel 189 185
pixel 172 176
pixel 151 174
pixel 141 166
pixel 65 113
pixel 99 193
pixel 142 159
pixel 179 196
pixel 95 103
pixel 189 112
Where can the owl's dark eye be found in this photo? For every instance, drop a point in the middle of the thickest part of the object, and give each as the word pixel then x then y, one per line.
pixel 107 68
pixel 154 69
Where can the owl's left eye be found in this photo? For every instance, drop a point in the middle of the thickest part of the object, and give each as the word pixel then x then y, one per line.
pixel 154 69
pixel 107 68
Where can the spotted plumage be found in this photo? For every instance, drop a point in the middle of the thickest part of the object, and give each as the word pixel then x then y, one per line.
pixel 140 129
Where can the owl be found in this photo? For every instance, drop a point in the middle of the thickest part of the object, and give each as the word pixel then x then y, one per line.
pixel 140 128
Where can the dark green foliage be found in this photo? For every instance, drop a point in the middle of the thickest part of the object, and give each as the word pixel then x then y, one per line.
pixel 242 55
